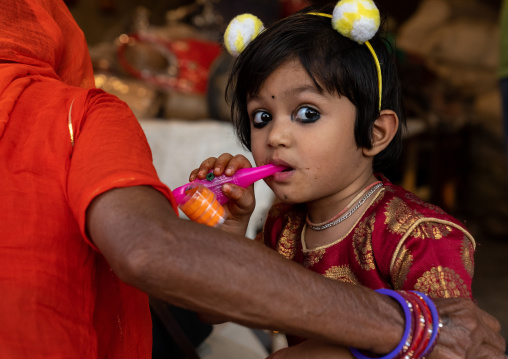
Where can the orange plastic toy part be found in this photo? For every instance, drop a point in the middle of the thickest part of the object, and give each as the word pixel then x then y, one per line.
pixel 200 205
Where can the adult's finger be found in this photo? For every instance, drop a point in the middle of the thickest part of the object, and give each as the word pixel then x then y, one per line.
pixel 492 322
pixel 467 331
pixel 493 338
pixel 483 328
pixel 486 351
pixel 483 351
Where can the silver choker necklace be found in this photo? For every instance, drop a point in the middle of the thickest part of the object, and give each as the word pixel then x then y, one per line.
pixel 348 213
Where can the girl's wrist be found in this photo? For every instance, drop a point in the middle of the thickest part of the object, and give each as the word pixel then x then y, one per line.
pixel 235 226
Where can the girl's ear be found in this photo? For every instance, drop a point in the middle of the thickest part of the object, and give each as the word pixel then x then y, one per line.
pixel 383 131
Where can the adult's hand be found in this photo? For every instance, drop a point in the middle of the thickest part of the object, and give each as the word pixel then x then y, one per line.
pixel 468 332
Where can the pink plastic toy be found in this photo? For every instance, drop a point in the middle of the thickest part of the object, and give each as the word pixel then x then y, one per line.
pixel 244 177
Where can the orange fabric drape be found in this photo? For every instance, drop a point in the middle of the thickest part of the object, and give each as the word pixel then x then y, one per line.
pixel 39 37
pixel 58 296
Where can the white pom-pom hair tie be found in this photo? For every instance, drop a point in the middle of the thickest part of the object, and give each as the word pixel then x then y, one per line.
pixel 357 20
pixel 240 32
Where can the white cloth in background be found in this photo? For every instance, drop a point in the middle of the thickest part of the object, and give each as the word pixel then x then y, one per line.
pixel 232 341
pixel 179 146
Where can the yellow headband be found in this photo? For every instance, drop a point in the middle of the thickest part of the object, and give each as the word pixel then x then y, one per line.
pixel 357 20
pixel 366 23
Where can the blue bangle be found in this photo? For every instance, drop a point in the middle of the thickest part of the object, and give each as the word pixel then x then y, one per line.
pixel 435 322
pixel 407 330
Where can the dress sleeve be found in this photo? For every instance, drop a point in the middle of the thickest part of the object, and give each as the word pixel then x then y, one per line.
pixel 267 235
pixel 275 221
pixel 110 151
pixel 436 258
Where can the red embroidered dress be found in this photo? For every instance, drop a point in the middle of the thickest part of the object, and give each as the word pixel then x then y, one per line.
pixel 400 242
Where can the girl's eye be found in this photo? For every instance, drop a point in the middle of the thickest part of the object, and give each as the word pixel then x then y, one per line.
pixel 306 115
pixel 261 118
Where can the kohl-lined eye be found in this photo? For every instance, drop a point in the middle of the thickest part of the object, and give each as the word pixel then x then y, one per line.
pixel 306 115
pixel 261 118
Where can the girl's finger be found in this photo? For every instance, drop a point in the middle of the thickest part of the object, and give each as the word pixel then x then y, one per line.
pixel 205 167
pixel 237 162
pixel 193 174
pixel 243 198
pixel 221 163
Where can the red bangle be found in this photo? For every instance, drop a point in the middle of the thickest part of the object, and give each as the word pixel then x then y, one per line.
pixel 418 326
pixel 436 322
pixel 427 325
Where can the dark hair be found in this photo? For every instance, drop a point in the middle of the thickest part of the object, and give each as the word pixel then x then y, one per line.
pixel 335 63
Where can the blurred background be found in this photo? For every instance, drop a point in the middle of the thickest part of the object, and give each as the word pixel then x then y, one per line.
pixel 165 59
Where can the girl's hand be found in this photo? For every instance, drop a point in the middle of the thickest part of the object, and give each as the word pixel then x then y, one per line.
pixel 242 201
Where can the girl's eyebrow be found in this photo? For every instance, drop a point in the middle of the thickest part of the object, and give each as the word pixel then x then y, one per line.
pixel 305 88
pixel 292 91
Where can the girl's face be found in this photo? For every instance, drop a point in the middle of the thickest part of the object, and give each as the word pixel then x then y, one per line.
pixel 293 124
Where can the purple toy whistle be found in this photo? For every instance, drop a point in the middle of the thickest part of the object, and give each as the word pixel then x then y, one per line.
pixel 244 177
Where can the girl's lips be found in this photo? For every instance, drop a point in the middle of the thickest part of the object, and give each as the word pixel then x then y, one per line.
pixel 283 175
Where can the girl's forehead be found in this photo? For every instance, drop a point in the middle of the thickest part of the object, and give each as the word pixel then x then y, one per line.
pixel 290 79
pixel 285 80
pixel 289 74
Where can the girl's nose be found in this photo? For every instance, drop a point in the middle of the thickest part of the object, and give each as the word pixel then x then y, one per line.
pixel 279 134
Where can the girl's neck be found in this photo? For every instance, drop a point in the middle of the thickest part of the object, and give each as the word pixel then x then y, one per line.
pixel 323 210
pixel 336 227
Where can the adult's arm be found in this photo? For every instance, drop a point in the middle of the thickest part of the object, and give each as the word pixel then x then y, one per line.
pixel 204 269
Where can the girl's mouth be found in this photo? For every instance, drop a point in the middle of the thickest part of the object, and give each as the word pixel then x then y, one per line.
pixel 284 175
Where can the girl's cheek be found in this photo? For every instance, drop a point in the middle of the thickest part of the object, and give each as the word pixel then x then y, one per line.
pixel 256 157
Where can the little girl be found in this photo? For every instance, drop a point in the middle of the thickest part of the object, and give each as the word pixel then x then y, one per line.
pixel 309 98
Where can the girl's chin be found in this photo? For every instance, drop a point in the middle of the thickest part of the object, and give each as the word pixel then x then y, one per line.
pixel 286 198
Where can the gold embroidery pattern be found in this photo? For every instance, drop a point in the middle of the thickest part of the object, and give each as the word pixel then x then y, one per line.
pixel 362 244
pixel 415 199
pixel 287 241
pixel 313 257
pixel 399 218
pixel 467 256
pixel 401 268
pixel 342 273
pixel 379 197
pixel 442 282
pixel 389 189
pixel 431 230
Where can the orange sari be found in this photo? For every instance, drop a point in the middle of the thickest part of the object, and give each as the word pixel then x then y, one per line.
pixel 62 143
